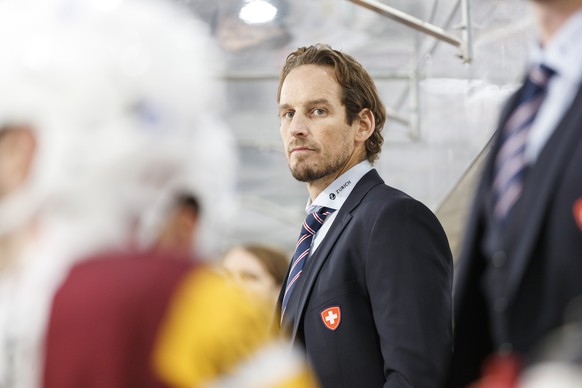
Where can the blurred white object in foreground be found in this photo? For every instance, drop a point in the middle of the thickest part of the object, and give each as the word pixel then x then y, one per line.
pixel 120 98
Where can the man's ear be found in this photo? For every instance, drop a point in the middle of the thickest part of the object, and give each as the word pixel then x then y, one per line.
pixel 17 151
pixel 366 125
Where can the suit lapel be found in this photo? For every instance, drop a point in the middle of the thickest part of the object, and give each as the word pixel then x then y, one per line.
pixel 472 243
pixel 534 203
pixel 315 262
pixel 314 265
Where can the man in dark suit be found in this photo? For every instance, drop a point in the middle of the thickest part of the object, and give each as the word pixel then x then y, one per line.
pixel 522 258
pixel 368 296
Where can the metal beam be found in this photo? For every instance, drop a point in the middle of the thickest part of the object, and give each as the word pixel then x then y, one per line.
pixel 425 27
pixel 467 48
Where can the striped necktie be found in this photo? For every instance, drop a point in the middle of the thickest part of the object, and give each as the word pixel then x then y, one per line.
pixel 311 225
pixel 510 162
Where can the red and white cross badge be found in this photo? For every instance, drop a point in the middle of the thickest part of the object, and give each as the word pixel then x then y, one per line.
pixel 331 317
pixel 577 208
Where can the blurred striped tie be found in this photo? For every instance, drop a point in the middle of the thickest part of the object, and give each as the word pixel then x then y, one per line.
pixel 510 162
pixel 311 225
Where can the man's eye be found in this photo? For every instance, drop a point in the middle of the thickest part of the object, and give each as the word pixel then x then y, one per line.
pixel 319 112
pixel 288 115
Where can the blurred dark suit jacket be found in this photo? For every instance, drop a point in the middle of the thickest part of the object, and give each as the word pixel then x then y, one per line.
pixel 539 265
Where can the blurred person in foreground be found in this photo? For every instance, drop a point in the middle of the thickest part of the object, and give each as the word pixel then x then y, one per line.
pixel 108 116
pixel 369 297
pixel 522 256
pixel 259 268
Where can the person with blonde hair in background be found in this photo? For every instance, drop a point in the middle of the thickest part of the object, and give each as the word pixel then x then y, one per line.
pixel 259 268
pixel 107 116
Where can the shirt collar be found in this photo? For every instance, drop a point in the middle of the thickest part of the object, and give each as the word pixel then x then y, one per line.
pixel 338 191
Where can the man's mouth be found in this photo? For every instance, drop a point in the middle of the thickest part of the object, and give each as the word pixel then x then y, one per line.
pixel 300 149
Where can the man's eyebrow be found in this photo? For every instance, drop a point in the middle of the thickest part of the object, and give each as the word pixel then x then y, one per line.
pixel 319 101
pixel 284 106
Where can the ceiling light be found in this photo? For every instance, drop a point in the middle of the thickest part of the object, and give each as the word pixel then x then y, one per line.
pixel 257 12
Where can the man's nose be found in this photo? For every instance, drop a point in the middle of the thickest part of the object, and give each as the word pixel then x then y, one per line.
pixel 298 126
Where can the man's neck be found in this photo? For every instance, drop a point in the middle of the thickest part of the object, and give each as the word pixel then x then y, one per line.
pixel 316 187
pixel 552 15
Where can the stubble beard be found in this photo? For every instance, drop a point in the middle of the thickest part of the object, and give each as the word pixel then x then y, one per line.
pixel 305 172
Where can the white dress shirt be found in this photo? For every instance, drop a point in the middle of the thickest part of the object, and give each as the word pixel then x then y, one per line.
pixel 564 55
pixel 334 197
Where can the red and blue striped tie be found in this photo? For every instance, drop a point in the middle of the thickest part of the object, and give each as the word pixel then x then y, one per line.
pixel 510 162
pixel 311 225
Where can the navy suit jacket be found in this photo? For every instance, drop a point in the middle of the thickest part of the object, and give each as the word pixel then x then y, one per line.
pixel 385 264
pixel 540 258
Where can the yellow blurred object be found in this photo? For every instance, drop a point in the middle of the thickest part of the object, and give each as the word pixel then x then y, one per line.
pixel 213 333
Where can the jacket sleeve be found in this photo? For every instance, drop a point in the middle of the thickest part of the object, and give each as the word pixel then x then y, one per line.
pixel 409 270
